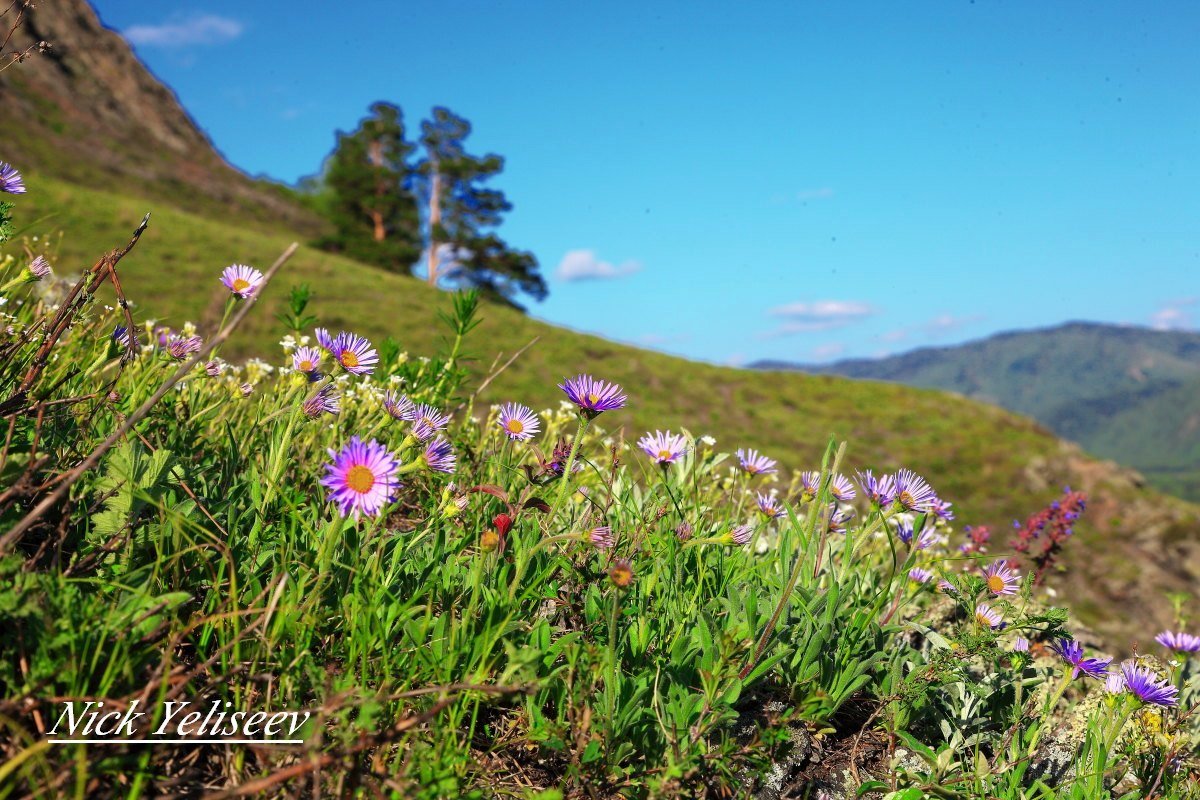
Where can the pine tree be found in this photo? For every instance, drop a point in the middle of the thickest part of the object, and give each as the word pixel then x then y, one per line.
pixel 370 204
pixel 459 210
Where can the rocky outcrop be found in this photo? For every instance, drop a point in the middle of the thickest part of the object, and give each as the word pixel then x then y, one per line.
pixel 87 110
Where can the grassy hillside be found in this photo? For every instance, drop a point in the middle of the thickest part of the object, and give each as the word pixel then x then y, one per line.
pixel 1122 392
pixel 995 466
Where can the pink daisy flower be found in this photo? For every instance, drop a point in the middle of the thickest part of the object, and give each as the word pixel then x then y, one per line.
pixel 361 478
pixel 242 280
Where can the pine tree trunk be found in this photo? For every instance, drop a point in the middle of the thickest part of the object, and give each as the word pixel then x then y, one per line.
pixel 375 154
pixel 435 218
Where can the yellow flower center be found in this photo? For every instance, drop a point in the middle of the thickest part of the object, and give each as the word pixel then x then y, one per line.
pixel 995 584
pixel 307 366
pixel 593 398
pixel 349 359
pixel 664 455
pixel 240 284
pixel 360 479
pixel 751 468
pixel 515 426
pixel 905 499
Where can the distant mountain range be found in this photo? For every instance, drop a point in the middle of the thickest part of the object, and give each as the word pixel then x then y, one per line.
pixel 1126 393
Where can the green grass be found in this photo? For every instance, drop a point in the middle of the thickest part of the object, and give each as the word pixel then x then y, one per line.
pixel 431 649
pixel 993 465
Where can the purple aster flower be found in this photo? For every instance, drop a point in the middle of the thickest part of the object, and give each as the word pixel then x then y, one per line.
pixel 398 406
pixel 427 421
pixel 593 396
pixel 941 509
pixel 122 336
pixel 1179 642
pixel 769 506
pixel 905 533
pixel 518 422
pixel 1114 683
pixel 602 537
pixel 741 534
pixel 180 347
pixel 684 531
pixel 306 359
pixel 1147 686
pixel 214 369
pixel 838 517
pixel 947 587
pixel 354 353
pixel 362 477
pixel 242 280
pixel 39 268
pixel 1020 645
pixel 11 180
pixel 323 402
pixel 665 448
pixel 880 491
pixel 323 338
pixel 986 615
pixel 920 575
pixel 755 463
pixel 913 493
pixel 246 389
pixel 810 482
pixel 1072 652
pixel 842 489
pixel 439 456
pixel 1000 579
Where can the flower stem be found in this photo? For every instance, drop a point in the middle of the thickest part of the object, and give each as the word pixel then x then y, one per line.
pixel 565 480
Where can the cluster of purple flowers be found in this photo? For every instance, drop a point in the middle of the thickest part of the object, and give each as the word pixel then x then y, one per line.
pixel 1140 681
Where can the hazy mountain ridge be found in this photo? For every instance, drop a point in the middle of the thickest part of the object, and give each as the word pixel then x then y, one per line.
pixel 1127 393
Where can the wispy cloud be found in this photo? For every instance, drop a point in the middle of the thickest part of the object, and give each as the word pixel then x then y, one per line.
pixel 939 326
pixel 583 265
pixel 828 350
pixel 820 315
pixel 821 193
pixel 181 32
pixel 1174 314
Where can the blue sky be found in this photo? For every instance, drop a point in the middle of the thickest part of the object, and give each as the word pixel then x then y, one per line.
pixel 760 180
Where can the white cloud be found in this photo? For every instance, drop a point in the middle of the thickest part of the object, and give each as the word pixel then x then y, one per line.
pixel 941 325
pixel 804 195
pixel 1174 315
pixel 821 315
pixel 828 350
pixel 823 309
pixel 198 29
pixel 583 265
